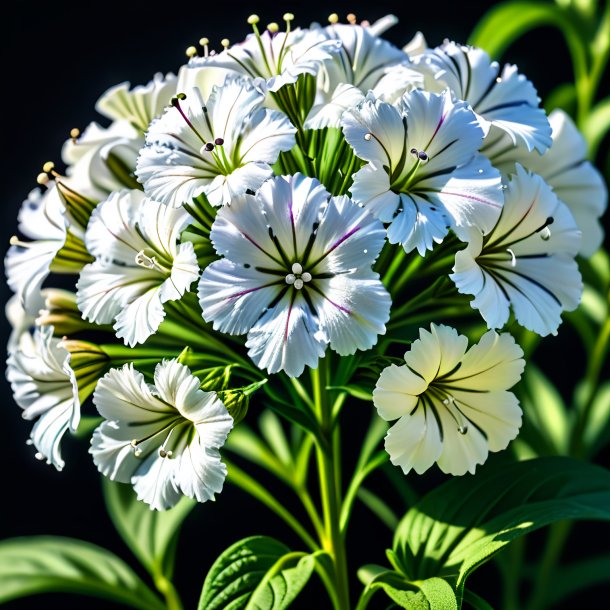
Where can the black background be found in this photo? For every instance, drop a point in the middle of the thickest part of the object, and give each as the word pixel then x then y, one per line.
pixel 56 60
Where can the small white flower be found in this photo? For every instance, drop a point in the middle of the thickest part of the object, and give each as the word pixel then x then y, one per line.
pixel 274 59
pixel 139 264
pixel 44 386
pixel 565 168
pixel 102 159
pixel 139 105
pixel 503 99
pixel 28 264
pixel 222 147
pixel 451 403
pixel 162 438
pixel 296 275
pixel 526 261
pixel 424 173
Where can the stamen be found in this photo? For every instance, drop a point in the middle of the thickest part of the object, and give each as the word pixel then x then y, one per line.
pixel 225 43
pixel 333 18
pixel 219 141
pixel 297 269
pixel 545 234
pixel 191 51
pixel 204 42
pixel 209 147
pixel 298 283
pixel 74 133
pixel 463 429
pixel 291 278
pixel 48 167
pixel 15 241
pixel 43 179
pixel 306 277
pixel 457 415
pixel 423 156
pixel 146 261
pixel 253 19
pixel 513 261
pixel 351 19
pixel 273 27
pixel 39 456
pixel 288 17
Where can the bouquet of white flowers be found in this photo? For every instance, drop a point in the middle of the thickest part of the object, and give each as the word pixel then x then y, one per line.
pixel 298 222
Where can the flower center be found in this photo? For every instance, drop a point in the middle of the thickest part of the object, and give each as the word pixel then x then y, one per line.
pixel 298 278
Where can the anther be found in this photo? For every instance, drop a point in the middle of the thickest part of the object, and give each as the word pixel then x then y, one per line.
pixel 43 179
pixel 298 283
pixel 368 136
pixel 209 147
pixel 137 452
pixel 423 156
pixel 219 141
pixel 306 277
pixel 253 19
pixel 462 429
pixel 181 96
pixel 74 133
pixel 191 51
pixel 297 268
pixel 48 167
pixel 273 27
pixel 148 262
pixel 288 17
pixel 414 151
pixel 134 442
pixel 225 43
pixel 204 42
pixel 291 278
pixel 333 18
pixel 39 456
pixel 351 18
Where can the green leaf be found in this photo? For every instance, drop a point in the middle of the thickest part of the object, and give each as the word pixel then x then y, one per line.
pixel 507 22
pixel 256 573
pixel 597 125
pixel 429 594
pixel 149 534
pixel 43 564
pixel 464 522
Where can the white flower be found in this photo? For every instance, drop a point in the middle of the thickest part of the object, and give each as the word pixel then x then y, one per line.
pixel 503 99
pixel 44 386
pixel 162 438
pixel 139 264
pixel 424 173
pixel 452 405
pixel 20 321
pixel 565 168
pixel 366 61
pixel 526 261
pixel 296 275
pixel 139 105
pixel 274 59
pixel 222 148
pixel 28 264
pixel 102 159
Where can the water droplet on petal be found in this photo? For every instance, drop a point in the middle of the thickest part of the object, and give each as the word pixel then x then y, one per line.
pixel 463 429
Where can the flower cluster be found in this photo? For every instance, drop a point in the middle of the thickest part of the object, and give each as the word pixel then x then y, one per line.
pixel 292 199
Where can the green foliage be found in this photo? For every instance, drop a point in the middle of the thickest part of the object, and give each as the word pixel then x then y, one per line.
pixel 46 564
pixel 464 522
pixel 257 573
pixel 149 534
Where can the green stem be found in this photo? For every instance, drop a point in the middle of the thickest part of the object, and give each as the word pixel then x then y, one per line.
pixel 510 567
pixel 558 533
pixel 329 475
pixel 167 589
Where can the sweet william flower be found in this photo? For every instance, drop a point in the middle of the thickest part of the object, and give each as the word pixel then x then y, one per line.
pixel 451 403
pixel 162 438
pixel 296 274
pixel 139 264
pixel 222 147
pixel 28 263
pixel 424 173
pixel 45 387
pixel 565 168
pixel 526 262
pixel 503 100
pixel 274 58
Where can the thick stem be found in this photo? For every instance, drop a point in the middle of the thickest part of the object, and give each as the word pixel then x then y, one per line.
pixel 329 461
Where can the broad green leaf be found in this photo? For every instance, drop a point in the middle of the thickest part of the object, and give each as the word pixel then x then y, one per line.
pixel 429 594
pixel 506 22
pixel 43 564
pixel 148 533
pixel 464 522
pixel 354 390
pixel 256 573
pixel 597 430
